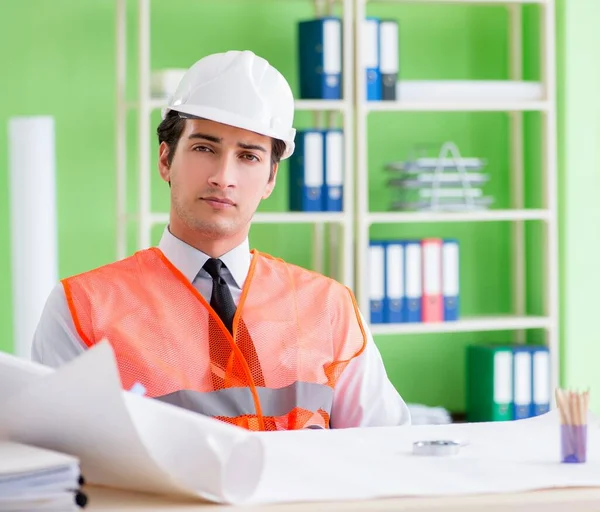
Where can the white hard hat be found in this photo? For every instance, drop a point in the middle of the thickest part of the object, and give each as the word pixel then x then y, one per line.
pixel 240 89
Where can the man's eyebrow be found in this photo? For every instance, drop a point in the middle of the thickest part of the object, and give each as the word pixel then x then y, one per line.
pixel 218 140
pixel 205 136
pixel 252 146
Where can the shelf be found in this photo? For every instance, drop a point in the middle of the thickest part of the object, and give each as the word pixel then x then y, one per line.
pixel 277 218
pixel 399 106
pixel 450 106
pixel 474 324
pixel 484 2
pixel 300 218
pixel 322 105
pixel 383 217
pixel 478 216
pixel 308 105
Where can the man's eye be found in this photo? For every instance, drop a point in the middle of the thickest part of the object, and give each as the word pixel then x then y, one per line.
pixel 250 157
pixel 202 149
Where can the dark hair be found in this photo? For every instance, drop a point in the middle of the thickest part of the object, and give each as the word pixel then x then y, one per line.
pixel 171 127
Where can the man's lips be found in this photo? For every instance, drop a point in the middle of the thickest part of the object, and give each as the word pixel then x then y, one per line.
pixel 219 202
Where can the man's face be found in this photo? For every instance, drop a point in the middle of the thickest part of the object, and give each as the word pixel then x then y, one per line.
pixel 219 175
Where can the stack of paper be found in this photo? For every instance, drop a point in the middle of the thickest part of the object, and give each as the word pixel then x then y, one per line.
pixel 37 479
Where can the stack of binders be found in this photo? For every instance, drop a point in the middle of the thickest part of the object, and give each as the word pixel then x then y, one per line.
pixel 507 382
pixel 414 281
pixel 320 58
pixel 317 171
pixel 381 58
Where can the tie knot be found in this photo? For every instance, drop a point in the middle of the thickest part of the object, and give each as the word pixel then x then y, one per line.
pixel 213 267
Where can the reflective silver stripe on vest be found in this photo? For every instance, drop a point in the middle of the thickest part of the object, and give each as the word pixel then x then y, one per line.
pixel 233 402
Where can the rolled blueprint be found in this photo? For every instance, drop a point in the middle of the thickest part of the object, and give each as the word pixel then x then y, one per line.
pixel 32 196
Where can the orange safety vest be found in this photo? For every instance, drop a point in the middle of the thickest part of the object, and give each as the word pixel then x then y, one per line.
pixel 294 332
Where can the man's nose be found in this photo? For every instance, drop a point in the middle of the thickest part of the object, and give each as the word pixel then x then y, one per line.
pixel 223 175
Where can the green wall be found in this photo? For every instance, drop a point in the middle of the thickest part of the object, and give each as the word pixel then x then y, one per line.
pixel 579 107
pixel 62 63
pixel 57 60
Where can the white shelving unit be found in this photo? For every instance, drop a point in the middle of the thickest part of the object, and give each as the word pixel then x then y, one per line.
pixel 339 234
pixel 517 215
pixel 348 232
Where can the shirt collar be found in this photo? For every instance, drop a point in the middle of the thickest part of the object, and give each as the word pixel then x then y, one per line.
pixel 189 260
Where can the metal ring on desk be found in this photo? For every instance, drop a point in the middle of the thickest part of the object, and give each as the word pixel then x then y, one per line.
pixel 437 448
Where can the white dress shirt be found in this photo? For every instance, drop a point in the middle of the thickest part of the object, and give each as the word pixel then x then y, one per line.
pixel 363 395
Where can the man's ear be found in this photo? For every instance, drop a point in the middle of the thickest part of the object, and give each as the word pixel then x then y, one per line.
pixel 271 184
pixel 163 162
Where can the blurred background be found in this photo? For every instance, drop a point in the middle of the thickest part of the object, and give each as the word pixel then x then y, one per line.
pixel 464 192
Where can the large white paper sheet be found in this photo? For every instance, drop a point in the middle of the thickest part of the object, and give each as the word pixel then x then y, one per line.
pixel 124 440
pixel 17 373
pixel 378 462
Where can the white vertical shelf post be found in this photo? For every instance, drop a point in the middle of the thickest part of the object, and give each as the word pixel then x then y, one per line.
pixel 121 128
pixel 144 191
pixel 318 229
pixel 340 236
pixel 549 158
pixel 519 288
pixel 346 253
pixel 362 177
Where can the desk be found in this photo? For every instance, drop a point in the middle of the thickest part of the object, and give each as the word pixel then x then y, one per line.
pixel 556 500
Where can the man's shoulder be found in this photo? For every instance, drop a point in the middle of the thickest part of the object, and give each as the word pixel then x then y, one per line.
pixel 56 299
pixel 301 273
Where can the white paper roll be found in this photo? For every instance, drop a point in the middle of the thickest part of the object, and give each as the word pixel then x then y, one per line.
pixel 32 199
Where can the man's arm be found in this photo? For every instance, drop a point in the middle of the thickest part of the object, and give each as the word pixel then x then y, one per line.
pixel 364 396
pixel 55 340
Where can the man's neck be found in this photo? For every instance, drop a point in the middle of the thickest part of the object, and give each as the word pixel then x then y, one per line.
pixel 213 247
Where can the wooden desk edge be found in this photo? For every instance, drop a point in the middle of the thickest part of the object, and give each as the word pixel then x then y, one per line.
pixel 546 500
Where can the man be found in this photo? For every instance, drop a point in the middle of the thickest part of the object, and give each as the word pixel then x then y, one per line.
pixel 201 321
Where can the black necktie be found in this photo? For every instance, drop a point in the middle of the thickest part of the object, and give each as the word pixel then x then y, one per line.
pixel 220 300
pixel 220 349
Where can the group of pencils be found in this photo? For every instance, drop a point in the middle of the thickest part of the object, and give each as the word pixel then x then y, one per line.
pixel 572 406
pixel 573 410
